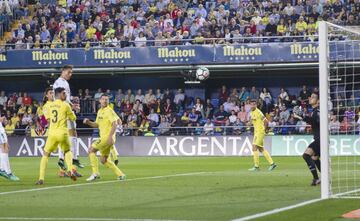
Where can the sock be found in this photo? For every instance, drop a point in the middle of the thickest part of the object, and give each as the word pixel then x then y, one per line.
pixel 1 168
pixel 311 164
pixel 62 159
pixel 113 153
pixel 256 158
pixel 74 147
pixel 318 164
pixel 114 168
pixel 43 165
pixel 61 154
pixel 2 161
pixel 267 157
pixel 68 160
pixel 5 162
pixel 94 163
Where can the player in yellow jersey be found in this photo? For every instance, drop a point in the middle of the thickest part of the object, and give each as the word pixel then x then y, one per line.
pixel 57 113
pixel 260 123
pixel 47 100
pixel 106 121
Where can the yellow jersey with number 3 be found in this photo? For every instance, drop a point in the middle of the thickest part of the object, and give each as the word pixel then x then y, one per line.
pixel 104 119
pixel 57 113
pixel 45 108
pixel 257 118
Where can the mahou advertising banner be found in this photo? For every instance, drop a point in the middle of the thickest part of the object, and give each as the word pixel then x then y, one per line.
pixel 178 55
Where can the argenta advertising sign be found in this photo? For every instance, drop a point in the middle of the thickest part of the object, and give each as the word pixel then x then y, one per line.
pixel 195 145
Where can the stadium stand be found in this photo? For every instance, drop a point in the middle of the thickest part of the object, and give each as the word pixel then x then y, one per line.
pixel 139 23
pixel 163 109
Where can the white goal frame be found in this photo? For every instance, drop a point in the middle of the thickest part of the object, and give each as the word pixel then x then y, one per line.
pixel 324 63
pixel 324 82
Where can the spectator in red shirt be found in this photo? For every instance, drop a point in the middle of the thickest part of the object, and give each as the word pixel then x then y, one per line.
pixel 127 107
pixel 345 126
pixel 98 33
pixel 252 27
pixel 134 23
pixel 103 13
pixel 184 28
pixel 175 13
pixel 224 94
pixel 27 101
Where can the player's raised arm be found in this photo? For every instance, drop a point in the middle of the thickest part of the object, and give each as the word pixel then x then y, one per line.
pixel 113 117
pixel 112 132
pixel 266 122
pixel 70 114
pixel 90 123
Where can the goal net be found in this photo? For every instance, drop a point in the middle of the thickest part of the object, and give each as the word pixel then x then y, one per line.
pixel 339 71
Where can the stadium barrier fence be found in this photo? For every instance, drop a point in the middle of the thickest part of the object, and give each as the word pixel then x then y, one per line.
pixel 190 145
pixel 189 141
pixel 218 129
pixel 181 42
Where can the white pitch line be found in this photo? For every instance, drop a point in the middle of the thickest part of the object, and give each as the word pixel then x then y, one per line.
pixel 339 195
pixel 81 219
pixel 101 182
pixel 279 210
pixel 348 197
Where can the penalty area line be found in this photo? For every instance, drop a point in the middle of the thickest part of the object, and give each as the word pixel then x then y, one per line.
pixel 305 203
pixel 100 182
pixel 278 210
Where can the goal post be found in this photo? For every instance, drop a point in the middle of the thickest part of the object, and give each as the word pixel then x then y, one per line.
pixel 339 87
pixel 324 62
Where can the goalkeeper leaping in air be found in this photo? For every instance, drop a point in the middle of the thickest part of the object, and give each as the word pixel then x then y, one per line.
pixel 312 152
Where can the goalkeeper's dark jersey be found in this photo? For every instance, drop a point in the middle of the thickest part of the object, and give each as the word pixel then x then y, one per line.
pixel 314 121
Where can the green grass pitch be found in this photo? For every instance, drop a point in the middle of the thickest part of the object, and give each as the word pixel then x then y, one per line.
pixel 225 191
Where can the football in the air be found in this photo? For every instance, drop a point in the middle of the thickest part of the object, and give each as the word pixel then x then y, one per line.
pixel 202 73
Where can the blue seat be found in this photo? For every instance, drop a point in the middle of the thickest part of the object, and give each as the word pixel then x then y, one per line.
pixel 215 102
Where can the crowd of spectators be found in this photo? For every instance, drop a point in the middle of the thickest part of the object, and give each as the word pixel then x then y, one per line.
pixel 229 113
pixel 139 23
pixel 11 10
pixel 167 112
pixel 20 111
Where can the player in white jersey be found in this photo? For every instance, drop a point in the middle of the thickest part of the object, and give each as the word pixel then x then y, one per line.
pixel 62 81
pixel 5 170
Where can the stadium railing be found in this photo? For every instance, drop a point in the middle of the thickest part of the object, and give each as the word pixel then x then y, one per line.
pixel 88 106
pixel 172 41
pixel 175 42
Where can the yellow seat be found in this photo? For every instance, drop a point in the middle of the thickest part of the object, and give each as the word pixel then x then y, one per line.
pixel 7 35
